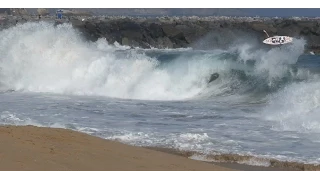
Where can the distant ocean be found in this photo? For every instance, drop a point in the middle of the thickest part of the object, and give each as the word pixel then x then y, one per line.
pixel 264 104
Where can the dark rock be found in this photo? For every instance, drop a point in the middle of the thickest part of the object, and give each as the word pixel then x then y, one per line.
pixel 132 34
pixel 155 30
pixel 217 33
pixel 90 26
pixel 76 23
pixel 196 32
pixel 164 42
pixel 170 30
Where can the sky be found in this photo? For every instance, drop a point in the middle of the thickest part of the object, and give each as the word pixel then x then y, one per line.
pixel 284 12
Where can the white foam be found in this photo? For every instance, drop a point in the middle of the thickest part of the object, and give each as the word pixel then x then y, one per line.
pixel 134 138
pixel 192 137
pixel 200 157
pixel 8 118
pixel 296 107
pixel 253 161
pixel 187 141
pixel 39 57
pixel 256 162
pixel 271 62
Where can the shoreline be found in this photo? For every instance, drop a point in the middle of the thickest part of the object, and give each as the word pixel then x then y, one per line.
pixel 241 162
pixel 55 149
pixel 43 148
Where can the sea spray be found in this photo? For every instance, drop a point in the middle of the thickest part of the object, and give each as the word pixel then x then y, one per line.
pixel 41 57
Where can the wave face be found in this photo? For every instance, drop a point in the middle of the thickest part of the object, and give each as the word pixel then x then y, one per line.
pixel 41 57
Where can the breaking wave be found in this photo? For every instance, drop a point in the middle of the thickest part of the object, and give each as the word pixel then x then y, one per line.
pixel 41 57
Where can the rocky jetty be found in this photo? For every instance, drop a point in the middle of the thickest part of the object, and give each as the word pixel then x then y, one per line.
pixel 181 32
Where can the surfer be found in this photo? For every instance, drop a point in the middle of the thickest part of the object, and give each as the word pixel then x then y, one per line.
pixel 213 77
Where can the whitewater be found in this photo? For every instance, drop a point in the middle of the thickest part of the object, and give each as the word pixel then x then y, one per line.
pixel 264 104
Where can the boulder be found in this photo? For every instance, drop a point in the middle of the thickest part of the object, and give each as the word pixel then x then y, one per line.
pixel 43 11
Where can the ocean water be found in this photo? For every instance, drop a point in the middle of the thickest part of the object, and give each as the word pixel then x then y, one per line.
pixel 264 104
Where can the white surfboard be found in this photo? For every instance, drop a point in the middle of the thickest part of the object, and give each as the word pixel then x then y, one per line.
pixel 278 40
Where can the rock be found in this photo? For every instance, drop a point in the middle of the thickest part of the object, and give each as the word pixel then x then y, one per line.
pixel 125 41
pixel 155 30
pixel 170 30
pixel 164 42
pixel 262 26
pixel 177 32
pixel 77 23
pixel 19 12
pixel 132 34
pixel 43 11
pixel 74 12
pixel 90 27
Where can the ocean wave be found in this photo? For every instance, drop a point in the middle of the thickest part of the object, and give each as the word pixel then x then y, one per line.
pixel 41 57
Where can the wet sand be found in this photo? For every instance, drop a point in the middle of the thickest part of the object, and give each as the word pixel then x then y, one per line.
pixel 230 165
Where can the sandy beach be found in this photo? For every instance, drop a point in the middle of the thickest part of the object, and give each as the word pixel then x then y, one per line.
pixel 40 148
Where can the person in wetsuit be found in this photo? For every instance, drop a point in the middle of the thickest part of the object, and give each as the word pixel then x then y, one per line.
pixel 213 77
